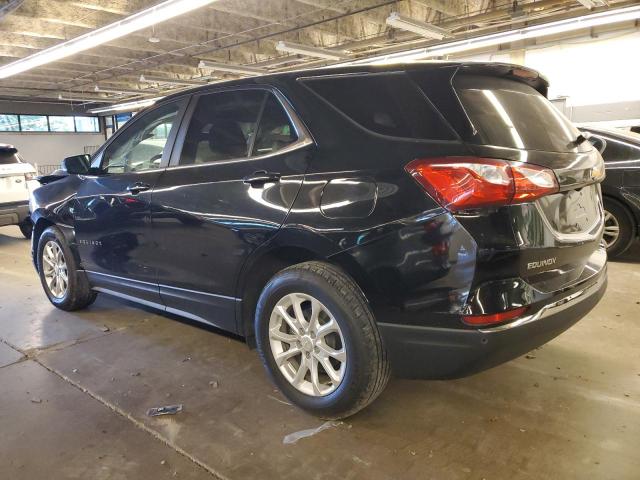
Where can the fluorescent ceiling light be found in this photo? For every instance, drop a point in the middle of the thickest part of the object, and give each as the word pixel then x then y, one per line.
pixel 123 90
pixel 310 51
pixel 535 31
pixel 146 18
pixel 593 3
pixel 138 104
pixel 86 99
pixel 416 26
pixel 227 67
pixel 174 81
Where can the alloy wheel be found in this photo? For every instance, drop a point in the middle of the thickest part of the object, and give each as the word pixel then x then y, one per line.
pixel 54 267
pixel 307 344
pixel 611 229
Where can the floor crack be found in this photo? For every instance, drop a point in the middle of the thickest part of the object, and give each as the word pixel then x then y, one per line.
pixel 136 422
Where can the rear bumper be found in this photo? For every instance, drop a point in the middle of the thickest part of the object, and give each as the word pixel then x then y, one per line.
pixel 13 213
pixel 437 353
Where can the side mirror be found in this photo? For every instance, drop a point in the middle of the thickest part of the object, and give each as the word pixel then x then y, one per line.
pixel 78 164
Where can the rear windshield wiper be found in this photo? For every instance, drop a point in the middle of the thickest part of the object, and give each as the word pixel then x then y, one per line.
pixel 581 138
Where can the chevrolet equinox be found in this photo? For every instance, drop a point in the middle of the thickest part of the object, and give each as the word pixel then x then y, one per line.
pixel 433 219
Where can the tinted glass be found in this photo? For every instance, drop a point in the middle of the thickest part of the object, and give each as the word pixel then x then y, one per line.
pixel 9 123
pixel 140 147
pixel 61 124
pixel 87 124
pixel 7 158
pixel 618 150
pixel 508 113
pixel 222 126
pixel 34 123
pixel 275 130
pixel 388 104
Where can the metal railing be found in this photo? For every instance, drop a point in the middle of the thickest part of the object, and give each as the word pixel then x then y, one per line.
pixel 91 149
pixel 46 169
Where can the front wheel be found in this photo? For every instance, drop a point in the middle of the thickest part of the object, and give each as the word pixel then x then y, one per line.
pixel 319 342
pixel 65 286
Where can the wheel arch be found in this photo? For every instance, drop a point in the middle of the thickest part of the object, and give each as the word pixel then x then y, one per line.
pixel 634 216
pixel 40 224
pixel 266 262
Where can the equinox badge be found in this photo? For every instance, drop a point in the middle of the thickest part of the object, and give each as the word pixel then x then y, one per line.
pixel 547 262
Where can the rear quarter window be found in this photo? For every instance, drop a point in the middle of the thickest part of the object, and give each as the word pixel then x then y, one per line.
pixel 386 104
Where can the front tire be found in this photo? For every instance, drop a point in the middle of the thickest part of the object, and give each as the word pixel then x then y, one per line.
pixel 619 228
pixel 65 286
pixel 319 341
pixel 26 228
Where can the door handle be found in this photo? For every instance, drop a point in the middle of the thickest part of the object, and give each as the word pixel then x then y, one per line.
pixel 261 177
pixel 136 188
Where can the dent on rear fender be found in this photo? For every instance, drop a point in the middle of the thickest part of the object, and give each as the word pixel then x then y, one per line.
pixel 423 266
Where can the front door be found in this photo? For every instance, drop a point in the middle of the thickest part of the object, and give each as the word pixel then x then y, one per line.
pixel 112 210
pixel 232 179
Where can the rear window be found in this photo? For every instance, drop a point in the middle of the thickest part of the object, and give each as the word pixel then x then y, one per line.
pixel 508 113
pixel 8 157
pixel 387 104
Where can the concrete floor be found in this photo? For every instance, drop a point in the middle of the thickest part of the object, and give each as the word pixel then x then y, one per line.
pixel 75 388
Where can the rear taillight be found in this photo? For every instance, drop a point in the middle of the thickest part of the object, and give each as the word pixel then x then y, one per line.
pixel 463 183
pixel 493 318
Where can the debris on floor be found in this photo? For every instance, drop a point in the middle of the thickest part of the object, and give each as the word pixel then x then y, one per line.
pixel 295 436
pixel 166 410
pixel 36 400
pixel 104 328
pixel 214 384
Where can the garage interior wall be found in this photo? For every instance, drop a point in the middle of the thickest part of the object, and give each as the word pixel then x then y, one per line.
pixel 597 78
pixel 44 148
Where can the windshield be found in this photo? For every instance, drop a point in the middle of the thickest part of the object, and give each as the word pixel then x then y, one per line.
pixel 508 113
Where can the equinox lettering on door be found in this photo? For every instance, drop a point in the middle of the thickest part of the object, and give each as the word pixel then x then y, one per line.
pixel 547 262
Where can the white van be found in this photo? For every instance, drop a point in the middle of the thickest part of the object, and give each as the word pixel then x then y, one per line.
pixel 15 179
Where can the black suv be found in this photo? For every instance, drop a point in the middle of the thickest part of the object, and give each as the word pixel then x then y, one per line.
pixel 433 219
pixel 621 187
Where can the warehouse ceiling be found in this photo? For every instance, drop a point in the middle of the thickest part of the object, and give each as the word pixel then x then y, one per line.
pixel 235 32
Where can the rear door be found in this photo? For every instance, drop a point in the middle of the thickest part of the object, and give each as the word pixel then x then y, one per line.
pixel 112 210
pixel 236 169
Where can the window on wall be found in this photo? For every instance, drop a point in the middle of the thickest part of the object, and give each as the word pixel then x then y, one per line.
pixel 87 124
pixel 34 123
pixel 9 123
pixel 61 124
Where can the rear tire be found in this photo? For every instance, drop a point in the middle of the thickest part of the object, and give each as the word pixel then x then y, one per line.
pixel 354 340
pixel 66 287
pixel 26 228
pixel 617 216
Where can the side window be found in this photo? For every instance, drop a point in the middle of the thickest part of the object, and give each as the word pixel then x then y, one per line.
pixel 619 151
pixel 387 104
pixel 140 147
pixel 275 130
pixel 222 127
